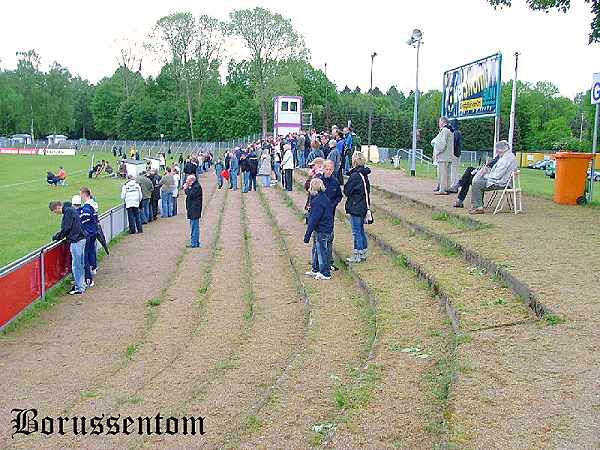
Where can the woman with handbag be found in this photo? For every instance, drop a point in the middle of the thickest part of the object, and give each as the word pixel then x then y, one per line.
pixel 358 205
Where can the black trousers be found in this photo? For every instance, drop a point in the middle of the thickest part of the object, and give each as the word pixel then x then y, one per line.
pixel 465 182
pixel 154 207
pixel 135 221
pixel 288 179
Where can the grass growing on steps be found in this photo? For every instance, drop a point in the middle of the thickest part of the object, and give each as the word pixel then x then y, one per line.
pixel 249 294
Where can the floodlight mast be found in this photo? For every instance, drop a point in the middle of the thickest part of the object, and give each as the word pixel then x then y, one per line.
pixel 415 41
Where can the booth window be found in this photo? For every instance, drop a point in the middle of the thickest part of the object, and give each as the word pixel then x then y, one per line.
pixel 284 106
pixel 293 106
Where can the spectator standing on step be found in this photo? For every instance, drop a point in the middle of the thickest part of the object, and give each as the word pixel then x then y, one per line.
pixel 131 194
pixel 147 189
pixel 72 231
pixel 357 190
pixel 167 186
pixel 288 166
pixel 155 178
pixel 193 204
pixel 245 167
pixel 253 161
pixel 443 154
pixel 455 163
pixel 177 178
pixel 234 170
pixel 264 169
pixel 219 172
pixel 335 156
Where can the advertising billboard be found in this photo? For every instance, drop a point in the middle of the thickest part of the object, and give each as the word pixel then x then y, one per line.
pixel 473 90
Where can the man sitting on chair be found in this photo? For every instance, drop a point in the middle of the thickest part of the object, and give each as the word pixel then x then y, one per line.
pixel 464 184
pixel 493 179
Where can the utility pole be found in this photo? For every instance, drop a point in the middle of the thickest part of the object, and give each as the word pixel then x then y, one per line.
pixel 511 130
pixel 371 110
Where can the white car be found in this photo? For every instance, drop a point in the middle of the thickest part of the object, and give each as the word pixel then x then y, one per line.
pixel 596 175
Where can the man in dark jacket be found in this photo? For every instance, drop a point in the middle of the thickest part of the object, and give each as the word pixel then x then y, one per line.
pixel 357 190
pixel 253 161
pixel 72 231
pixel 193 204
pixel 455 164
pixel 320 221
pixel 190 168
pixel 155 197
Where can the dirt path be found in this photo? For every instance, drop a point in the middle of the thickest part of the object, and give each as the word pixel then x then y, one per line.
pixel 305 396
pixel 272 331
pixel 86 338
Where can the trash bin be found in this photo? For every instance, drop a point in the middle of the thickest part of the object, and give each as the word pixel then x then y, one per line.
pixel 571 176
pixel 396 160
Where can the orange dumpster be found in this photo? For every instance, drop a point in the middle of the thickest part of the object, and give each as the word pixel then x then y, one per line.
pixel 571 176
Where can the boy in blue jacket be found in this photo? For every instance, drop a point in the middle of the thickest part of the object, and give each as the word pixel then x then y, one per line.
pixel 89 222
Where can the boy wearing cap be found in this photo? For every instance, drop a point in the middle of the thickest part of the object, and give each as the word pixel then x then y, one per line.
pixel 89 222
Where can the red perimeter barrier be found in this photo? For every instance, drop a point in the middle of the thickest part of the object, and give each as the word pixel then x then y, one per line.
pixel 23 285
pixel 19 288
pixel 20 151
pixel 57 264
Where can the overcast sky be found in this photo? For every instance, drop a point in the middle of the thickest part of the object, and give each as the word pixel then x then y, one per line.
pixel 343 34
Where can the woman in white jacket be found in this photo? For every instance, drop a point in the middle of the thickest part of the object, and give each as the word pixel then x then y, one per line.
pixel 288 166
pixel 131 194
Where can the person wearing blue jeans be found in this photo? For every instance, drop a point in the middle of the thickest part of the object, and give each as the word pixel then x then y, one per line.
pixel 193 204
pixel 145 211
pixel 320 224
pixel 277 169
pixel 72 230
pixel 357 190
pixel 246 187
pixel 358 232
pixel 233 179
pixel 135 220
pixel 78 264
pixel 234 170
pixel 166 198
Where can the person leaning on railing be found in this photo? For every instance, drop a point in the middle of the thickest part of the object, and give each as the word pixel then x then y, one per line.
pixel 72 231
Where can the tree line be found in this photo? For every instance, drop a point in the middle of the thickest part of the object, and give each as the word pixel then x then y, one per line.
pixel 188 100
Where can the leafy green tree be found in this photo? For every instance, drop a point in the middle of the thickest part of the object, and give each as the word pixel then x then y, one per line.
pixel 270 38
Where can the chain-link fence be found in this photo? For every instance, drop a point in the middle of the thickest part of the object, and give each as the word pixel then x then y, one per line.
pixel 145 148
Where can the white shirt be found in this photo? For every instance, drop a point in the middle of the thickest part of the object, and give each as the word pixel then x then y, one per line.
pixel 176 177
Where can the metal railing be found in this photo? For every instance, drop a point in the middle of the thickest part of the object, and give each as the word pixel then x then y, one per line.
pixel 386 154
pixel 26 280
